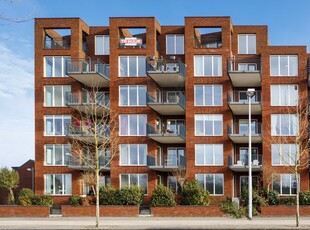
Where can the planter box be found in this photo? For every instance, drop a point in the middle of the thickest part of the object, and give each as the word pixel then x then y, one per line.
pixel 24 211
pixel 186 211
pixel 284 210
pixel 123 211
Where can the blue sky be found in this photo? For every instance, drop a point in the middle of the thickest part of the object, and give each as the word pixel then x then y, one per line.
pixel 287 20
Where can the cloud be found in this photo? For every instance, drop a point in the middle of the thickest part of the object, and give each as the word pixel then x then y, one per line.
pixel 17 108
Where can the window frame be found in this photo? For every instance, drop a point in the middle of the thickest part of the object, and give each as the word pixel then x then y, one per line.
pixel 204 91
pixel 104 40
pixel 274 127
pixel 129 155
pixel 279 154
pixel 281 184
pixel 64 59
pixel 64 130
pixel 63 184
pixel 53 154
pixel 175 36
pixel 213 175
pixel 128 124
pixel 220 57
pixel 204 126
pixel 247 44
pixel 279 97
pixel 63 95
pixel 128 95
pixel 128 65
pixel 279 74
pixel 129 180
pixel 214 153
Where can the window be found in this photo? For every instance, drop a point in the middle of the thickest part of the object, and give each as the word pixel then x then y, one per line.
pixel 174 156
pixel 284 184
pixel 172 183
pixel 133 154
pixel 214 183
pixel 175 44
pixel 55 95
pixel 208 154
pixel 284 95
pixel 56 125
pixel 207 65
pixel 284 125
pixel 208 125
pixel 103 181
pixel 244 127
pixel 55 66
pixel 132 95
pixel 133 125
pixel 284 154
pixel 283 65
pixel 244 155
pixel 102 45
pixel 58 184
pixel 128 180
pixel 57 154
pixel 244 183
pixel 208 95
pixel 247 43
pixel 132 66
pixel 247 67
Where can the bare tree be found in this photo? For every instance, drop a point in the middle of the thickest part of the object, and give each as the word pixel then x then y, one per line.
pixel 94 139
pixel 180 176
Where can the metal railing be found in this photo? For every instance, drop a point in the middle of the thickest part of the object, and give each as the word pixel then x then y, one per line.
pixel 205 41
pixel 57 43
pixel 179 161
pixel 167 65
pixel 240 96
pixel 85 98
pixel 178 130
pixel 242 129
pixel 244 64
pixel 166 97
pixel 257 160
pixel 88 66
pixel 77 161
pixel 87 128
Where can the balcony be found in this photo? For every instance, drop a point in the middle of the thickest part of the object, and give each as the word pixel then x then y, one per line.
pixel 88 132
pixel 168 166
pixel 244 72
pixel 167 102
pixel 243 166
pixel 239 103
pixel 167 136
pixel 239 133
pixel 91 73
pixel 96 105
pixel 57 43
pixel 167 73
pixel 76 162
pixel 214 41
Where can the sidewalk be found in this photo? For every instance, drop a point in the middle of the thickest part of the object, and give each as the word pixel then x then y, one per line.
pixel 153 223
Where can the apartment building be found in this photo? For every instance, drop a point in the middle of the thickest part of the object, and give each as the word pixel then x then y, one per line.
pixel 179 96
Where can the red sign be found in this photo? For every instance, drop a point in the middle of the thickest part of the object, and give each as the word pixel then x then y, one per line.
pixel 130 41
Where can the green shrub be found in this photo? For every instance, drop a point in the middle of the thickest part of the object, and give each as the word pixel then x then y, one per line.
pixel 132 195
pixel 163 196
pixel 25 192
pixel 193 194
pixel 231 208
pixel 75 200
pixel 109 196
pixel 288 200
pixel 257 201
pixel 24 201
pixel 271 197
pixel 42 200
pixel 304 198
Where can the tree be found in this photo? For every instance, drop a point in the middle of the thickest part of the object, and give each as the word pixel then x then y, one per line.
pixel 179 175
pixel 9 179
pixel 93 137
pixel 294 159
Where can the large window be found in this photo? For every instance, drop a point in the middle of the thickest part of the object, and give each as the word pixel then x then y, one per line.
pixel 132 125
pixel 133 154
pixel 284 95
pixel 132 66
pixel 207 65
pixel 284 124
pixel 208 95
pixel 58 184
pixel 55 95
pixel 56 125
pixel 247 43
pixel 214 183
pixel 57 154
pixel 208 154
pixel 132 95
pixel 283 65
pixel 55 66
pixel 284 184
pixel 175 44
pixel 174 156
pixel 208 125
pixel 172 183
pixel 128 180
pixel 284 154
pixel 102 45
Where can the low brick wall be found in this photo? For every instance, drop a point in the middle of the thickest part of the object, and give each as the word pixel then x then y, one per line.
pixel 24 211
pixel 186 211
pixel 124 211
pixel 283 210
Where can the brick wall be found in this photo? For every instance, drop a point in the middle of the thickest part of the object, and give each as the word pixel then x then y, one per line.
pixel 24 211
pixel 284 210
pixel 186 211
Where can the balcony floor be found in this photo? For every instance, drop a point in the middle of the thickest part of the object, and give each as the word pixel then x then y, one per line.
pixel 90 109
pixel 86 167
pixel 243 138
pixel 245 168
pixel 91 79
pixel 245 79
pixel 165 168
pixel 167 138
pixel 242 108
pixel 167 108
pixel 167 78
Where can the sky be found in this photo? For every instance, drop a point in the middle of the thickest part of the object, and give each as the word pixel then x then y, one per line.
pixel 287 21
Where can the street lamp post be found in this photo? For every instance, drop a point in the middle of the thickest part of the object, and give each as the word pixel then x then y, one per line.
pixel 32 177
pixel 250 93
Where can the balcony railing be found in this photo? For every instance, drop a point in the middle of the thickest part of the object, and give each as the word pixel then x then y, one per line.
pixel 88 66
pixel 167 97
pixel 257 159
pixel 87 128
pixel 57 43
pixel 80 163
pixel 208 42
pixel 167 65
pixel 241 97
pixel 243 129
pixel 85 98
pixel 240 64
pixel 178 130
pixel 170 163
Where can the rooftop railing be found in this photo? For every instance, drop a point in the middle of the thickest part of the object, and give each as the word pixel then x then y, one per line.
pixel 57 43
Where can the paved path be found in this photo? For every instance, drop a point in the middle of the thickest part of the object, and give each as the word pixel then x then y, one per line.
pixel 152 223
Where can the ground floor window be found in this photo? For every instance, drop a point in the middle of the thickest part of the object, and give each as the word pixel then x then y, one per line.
pixel 58 184
pixel 103 181
pixel 284 184
pixel 214 183
pixel 127 180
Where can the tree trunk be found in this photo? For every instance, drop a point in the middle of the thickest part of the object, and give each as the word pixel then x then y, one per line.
pixel 97 198
pixel 11 198
pixel 297 199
